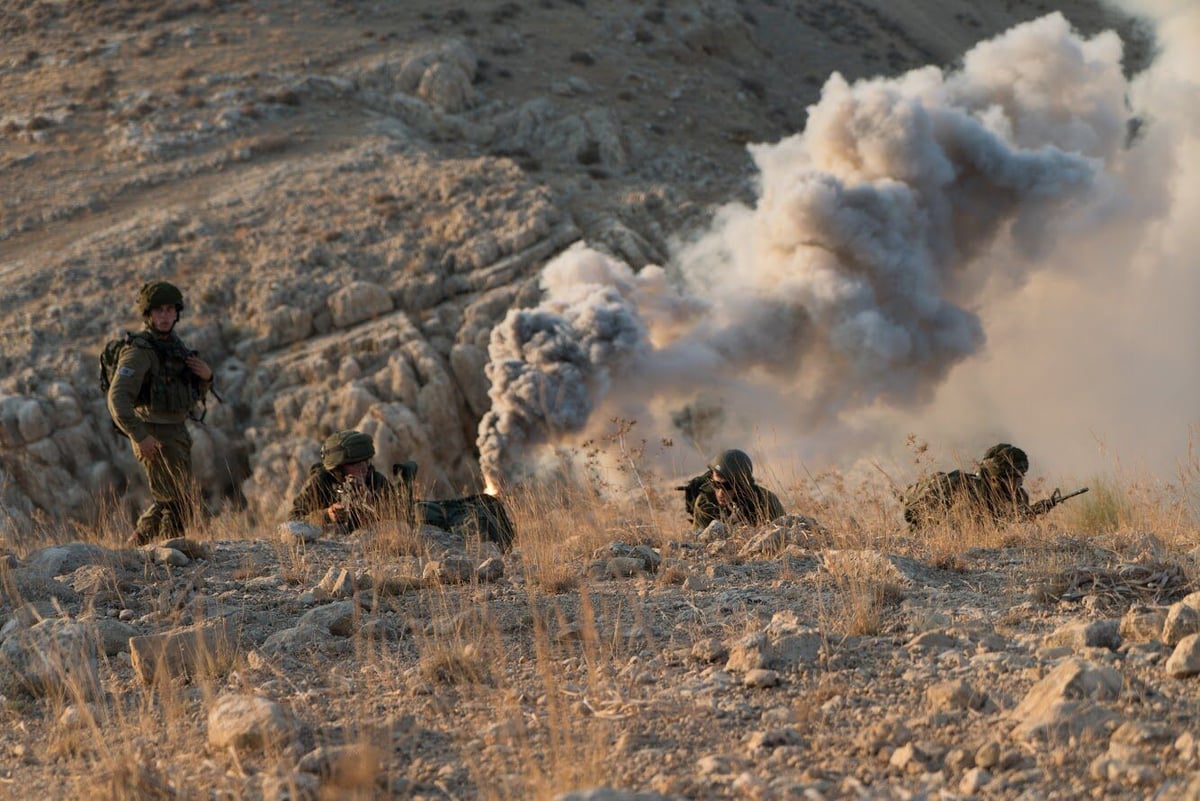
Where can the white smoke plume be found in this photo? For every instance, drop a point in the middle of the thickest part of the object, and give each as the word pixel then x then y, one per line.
pixel 1091 365
pixel 842 304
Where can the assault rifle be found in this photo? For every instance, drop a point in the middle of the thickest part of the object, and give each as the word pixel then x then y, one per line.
pixel 361 505
pixel 1056 497
pixel 356 505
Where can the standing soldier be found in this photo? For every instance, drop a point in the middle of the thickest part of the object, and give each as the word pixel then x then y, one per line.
pixel 155 386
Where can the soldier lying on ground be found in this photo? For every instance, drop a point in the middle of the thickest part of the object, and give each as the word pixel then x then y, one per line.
pixel 994 493
pixel 345 490
pixel 728 492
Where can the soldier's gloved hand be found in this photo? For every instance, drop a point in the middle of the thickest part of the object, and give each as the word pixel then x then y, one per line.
pixel 336 513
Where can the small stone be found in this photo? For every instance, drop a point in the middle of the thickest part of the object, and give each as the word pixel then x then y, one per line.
pixel 761 678
pixel 973 781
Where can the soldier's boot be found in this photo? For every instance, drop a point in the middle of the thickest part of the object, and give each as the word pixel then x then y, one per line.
pixel 147 527
pixel 170 522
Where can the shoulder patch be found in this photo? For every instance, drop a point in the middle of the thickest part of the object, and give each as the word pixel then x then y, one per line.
pixel 125 371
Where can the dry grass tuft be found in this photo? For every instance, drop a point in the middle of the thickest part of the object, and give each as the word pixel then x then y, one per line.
pixel 455 663
pixel 389 539
pixel 671 576
pixel 557 537
pixel 1102 510
pixel 129 780
pixel 860 606
pixel 859 591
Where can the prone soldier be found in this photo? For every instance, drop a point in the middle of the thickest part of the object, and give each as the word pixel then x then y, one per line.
pixel 727 492
pixel 345 490
pixel 995 493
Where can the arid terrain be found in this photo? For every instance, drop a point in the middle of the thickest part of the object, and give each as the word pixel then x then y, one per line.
pixel 496 236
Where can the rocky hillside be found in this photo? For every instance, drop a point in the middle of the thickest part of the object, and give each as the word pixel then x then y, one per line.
pixel 353 194
pixel 476 230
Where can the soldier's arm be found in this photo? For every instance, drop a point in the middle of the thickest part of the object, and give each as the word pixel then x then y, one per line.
pixel 384 497
pixel 131 372
pixel 1041 507
pixel 1023 507
pixel 311 501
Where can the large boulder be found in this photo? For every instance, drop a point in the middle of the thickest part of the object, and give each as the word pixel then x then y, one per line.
pixel 52 658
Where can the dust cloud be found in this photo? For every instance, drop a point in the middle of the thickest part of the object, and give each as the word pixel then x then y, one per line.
pixel 1001 251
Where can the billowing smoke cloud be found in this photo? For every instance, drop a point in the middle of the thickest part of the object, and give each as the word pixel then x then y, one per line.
pixel 1091 365
pixel 548 364
pixel 863 276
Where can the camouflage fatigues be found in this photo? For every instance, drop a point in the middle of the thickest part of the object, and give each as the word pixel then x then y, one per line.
pixel 995 493
pixel 152 392
pixel 366 502
pixel 942 494
pixel 363 494
pixel 753 505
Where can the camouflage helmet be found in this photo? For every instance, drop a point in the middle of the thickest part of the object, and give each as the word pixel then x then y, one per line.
pixel 734 466
pixel 158 293
pixel 346 447
pixel 1004 460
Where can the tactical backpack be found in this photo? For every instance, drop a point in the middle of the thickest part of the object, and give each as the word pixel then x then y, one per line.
pixel 110 357
pixel 483 515
pixel 693 490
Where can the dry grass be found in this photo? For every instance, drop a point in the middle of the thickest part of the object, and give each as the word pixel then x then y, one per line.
pixel 389 539
pixel 856 602
pixel 453 662
pixel 555 677
pixel 568 746
pixel 1102 510
pixel 553 555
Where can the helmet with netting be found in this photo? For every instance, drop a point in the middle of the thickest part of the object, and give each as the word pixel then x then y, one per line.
pixel 1004 461
pixel 734 466
pixel 158 293
pixel 346 447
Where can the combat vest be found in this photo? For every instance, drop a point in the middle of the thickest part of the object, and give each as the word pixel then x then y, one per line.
pixel 170 386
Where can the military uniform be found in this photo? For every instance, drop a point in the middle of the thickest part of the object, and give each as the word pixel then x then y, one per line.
pixel 365 501
pixel 935 497
pixel 362 497
pixel 995 493
pixel 756 508
pixel 749 503
pixel 152 393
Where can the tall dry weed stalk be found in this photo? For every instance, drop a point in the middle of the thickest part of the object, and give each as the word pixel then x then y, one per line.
pixel 855 601
pixel 1132 503
pixel 114 744
pixel 568 746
